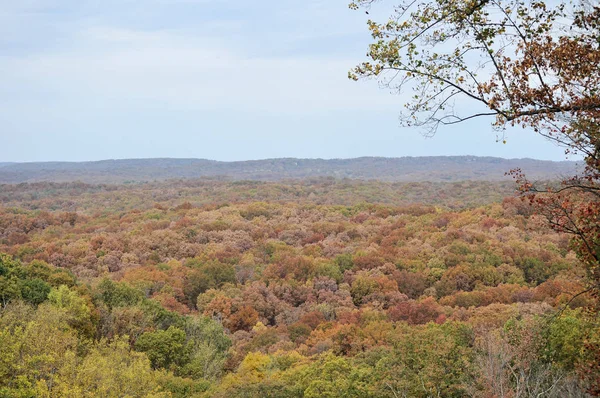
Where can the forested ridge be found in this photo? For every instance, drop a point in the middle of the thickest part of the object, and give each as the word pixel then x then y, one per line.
pixel 405 169
pixel 302 288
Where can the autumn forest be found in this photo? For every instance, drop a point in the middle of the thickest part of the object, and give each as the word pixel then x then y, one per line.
pixel 306 288
pixel 372 277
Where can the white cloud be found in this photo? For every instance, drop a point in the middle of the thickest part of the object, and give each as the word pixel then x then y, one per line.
pixel 83 79
pixel 190 72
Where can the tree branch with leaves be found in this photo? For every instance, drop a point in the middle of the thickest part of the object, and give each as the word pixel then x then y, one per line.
pixel 525 63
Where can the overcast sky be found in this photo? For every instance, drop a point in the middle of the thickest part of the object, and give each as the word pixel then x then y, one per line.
pixel 222 79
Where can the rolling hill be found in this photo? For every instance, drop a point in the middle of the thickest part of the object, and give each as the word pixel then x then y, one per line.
pixel 405 169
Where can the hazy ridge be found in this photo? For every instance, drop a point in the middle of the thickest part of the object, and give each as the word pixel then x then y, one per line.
pixel 404 169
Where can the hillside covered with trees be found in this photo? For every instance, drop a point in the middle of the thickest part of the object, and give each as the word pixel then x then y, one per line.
pixel 406 169
pixel 297 289
pixel 367 278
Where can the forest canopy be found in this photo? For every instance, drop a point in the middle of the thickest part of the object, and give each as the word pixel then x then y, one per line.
pixel 164 291
pixel 330 286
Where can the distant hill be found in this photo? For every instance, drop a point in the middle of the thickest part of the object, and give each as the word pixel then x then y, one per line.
pixel 405 169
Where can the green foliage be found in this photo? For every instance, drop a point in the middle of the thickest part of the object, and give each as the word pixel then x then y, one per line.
pixel 180 387
pixel 35 345
pixel 332 376
pixel 298 332
pixel 165 348
pixel 34 291
pixel 9 290
pixel 362 287
pixel 77 309
pixel 564 338
pixel 257 375
pixel 329 270
pixel 207 347
pixel 535 270
pixel 110 369
pixel 344 262
pixel 29 283
pixel 426 361
pixel 160 317
pixel 117 294
pixel 206 276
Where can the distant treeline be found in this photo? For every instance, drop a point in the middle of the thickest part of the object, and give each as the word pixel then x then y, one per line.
pixel 405 169
pixel 88 198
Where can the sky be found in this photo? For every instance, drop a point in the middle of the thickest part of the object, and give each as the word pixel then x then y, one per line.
pixel 217 79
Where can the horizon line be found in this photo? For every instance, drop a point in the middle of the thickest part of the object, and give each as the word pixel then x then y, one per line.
pixel 284 158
